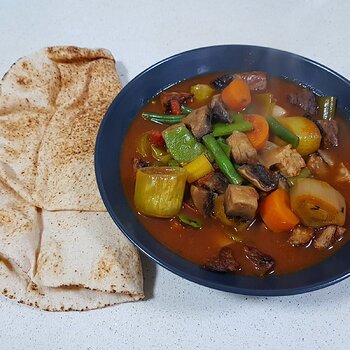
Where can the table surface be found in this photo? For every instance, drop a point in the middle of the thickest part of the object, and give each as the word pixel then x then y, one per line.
pixel 178 314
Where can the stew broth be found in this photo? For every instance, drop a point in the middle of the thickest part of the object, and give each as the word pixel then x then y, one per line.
pixel 199 245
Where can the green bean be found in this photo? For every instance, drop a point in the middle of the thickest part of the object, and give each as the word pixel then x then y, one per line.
pixel 163 118
pixel 156 115
pixel 208 154
pixel 186 110
pixel 282 132
pixel 222 160
pixel 237 117
pixel 225 147
pixel 326 106
pixel 220 129
pixel 195 223
pixel 165 121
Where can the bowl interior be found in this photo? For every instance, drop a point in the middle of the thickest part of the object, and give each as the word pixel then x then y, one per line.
pixel 184 66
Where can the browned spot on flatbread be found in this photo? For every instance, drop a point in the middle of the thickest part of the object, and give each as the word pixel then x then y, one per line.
pixel 105 264
pixel 24 82
pixel 6 263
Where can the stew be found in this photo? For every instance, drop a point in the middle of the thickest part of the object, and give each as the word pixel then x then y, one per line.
pixel 241 172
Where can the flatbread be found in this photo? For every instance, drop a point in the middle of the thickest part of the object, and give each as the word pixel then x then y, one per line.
pixel 15 287
pixel 66 176
pixel 59 249
pixel 28 93
pixel 64 260
pixel 51 105
pixel 87 249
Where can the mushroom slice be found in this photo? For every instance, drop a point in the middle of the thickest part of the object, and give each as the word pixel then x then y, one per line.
pixel 218 111
pixel 202 200
pixel 259 176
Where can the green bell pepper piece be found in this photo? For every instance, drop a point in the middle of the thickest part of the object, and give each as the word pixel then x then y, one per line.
pixel 181 144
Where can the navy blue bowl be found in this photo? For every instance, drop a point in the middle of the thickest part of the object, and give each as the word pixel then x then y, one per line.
pixel 184 66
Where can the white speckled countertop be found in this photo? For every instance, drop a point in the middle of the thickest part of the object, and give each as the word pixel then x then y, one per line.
pixel 178 314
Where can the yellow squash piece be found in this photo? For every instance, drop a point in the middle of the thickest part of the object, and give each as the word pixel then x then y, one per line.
pixel 219 211
pixel 198 168
pixel 143 145
pixel 202 92
pixel 160 154
pixel 317 203
pixel 159 191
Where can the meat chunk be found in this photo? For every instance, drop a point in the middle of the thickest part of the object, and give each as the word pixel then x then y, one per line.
pixel 218 110
pixel 288 161
pixel 241 201
pixel 241 149
pixel 301 235
pixel 257 81
pixel 317 165
pixel 215 182
pixel 328 236
pixel 329 132
pixel 263 263
pixel 326 156
pixel 199 121
pixel 259 176
pixel 305 99
pixel 181 97
pixel 202 200
pixel 223 262
pixel 325 237
pixel 339 233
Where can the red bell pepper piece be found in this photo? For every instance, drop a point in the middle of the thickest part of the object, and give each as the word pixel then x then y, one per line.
pixel 156 138
pixel 175 107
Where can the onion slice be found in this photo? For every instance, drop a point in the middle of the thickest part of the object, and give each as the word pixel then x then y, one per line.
pixel 317 203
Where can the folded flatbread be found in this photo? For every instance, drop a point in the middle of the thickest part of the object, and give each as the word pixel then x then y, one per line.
pixel 86 249
pixel 59 249
pixel 64 260
pixel 51 105
pixel 13 286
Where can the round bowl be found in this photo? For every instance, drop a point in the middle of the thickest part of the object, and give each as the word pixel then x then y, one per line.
pixel 169 72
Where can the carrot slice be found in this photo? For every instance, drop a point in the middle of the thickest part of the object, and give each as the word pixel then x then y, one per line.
pixel 236 95
pixel 276 213
pixel 259 136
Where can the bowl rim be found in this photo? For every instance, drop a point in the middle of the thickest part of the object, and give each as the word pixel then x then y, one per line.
pixel 215 284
